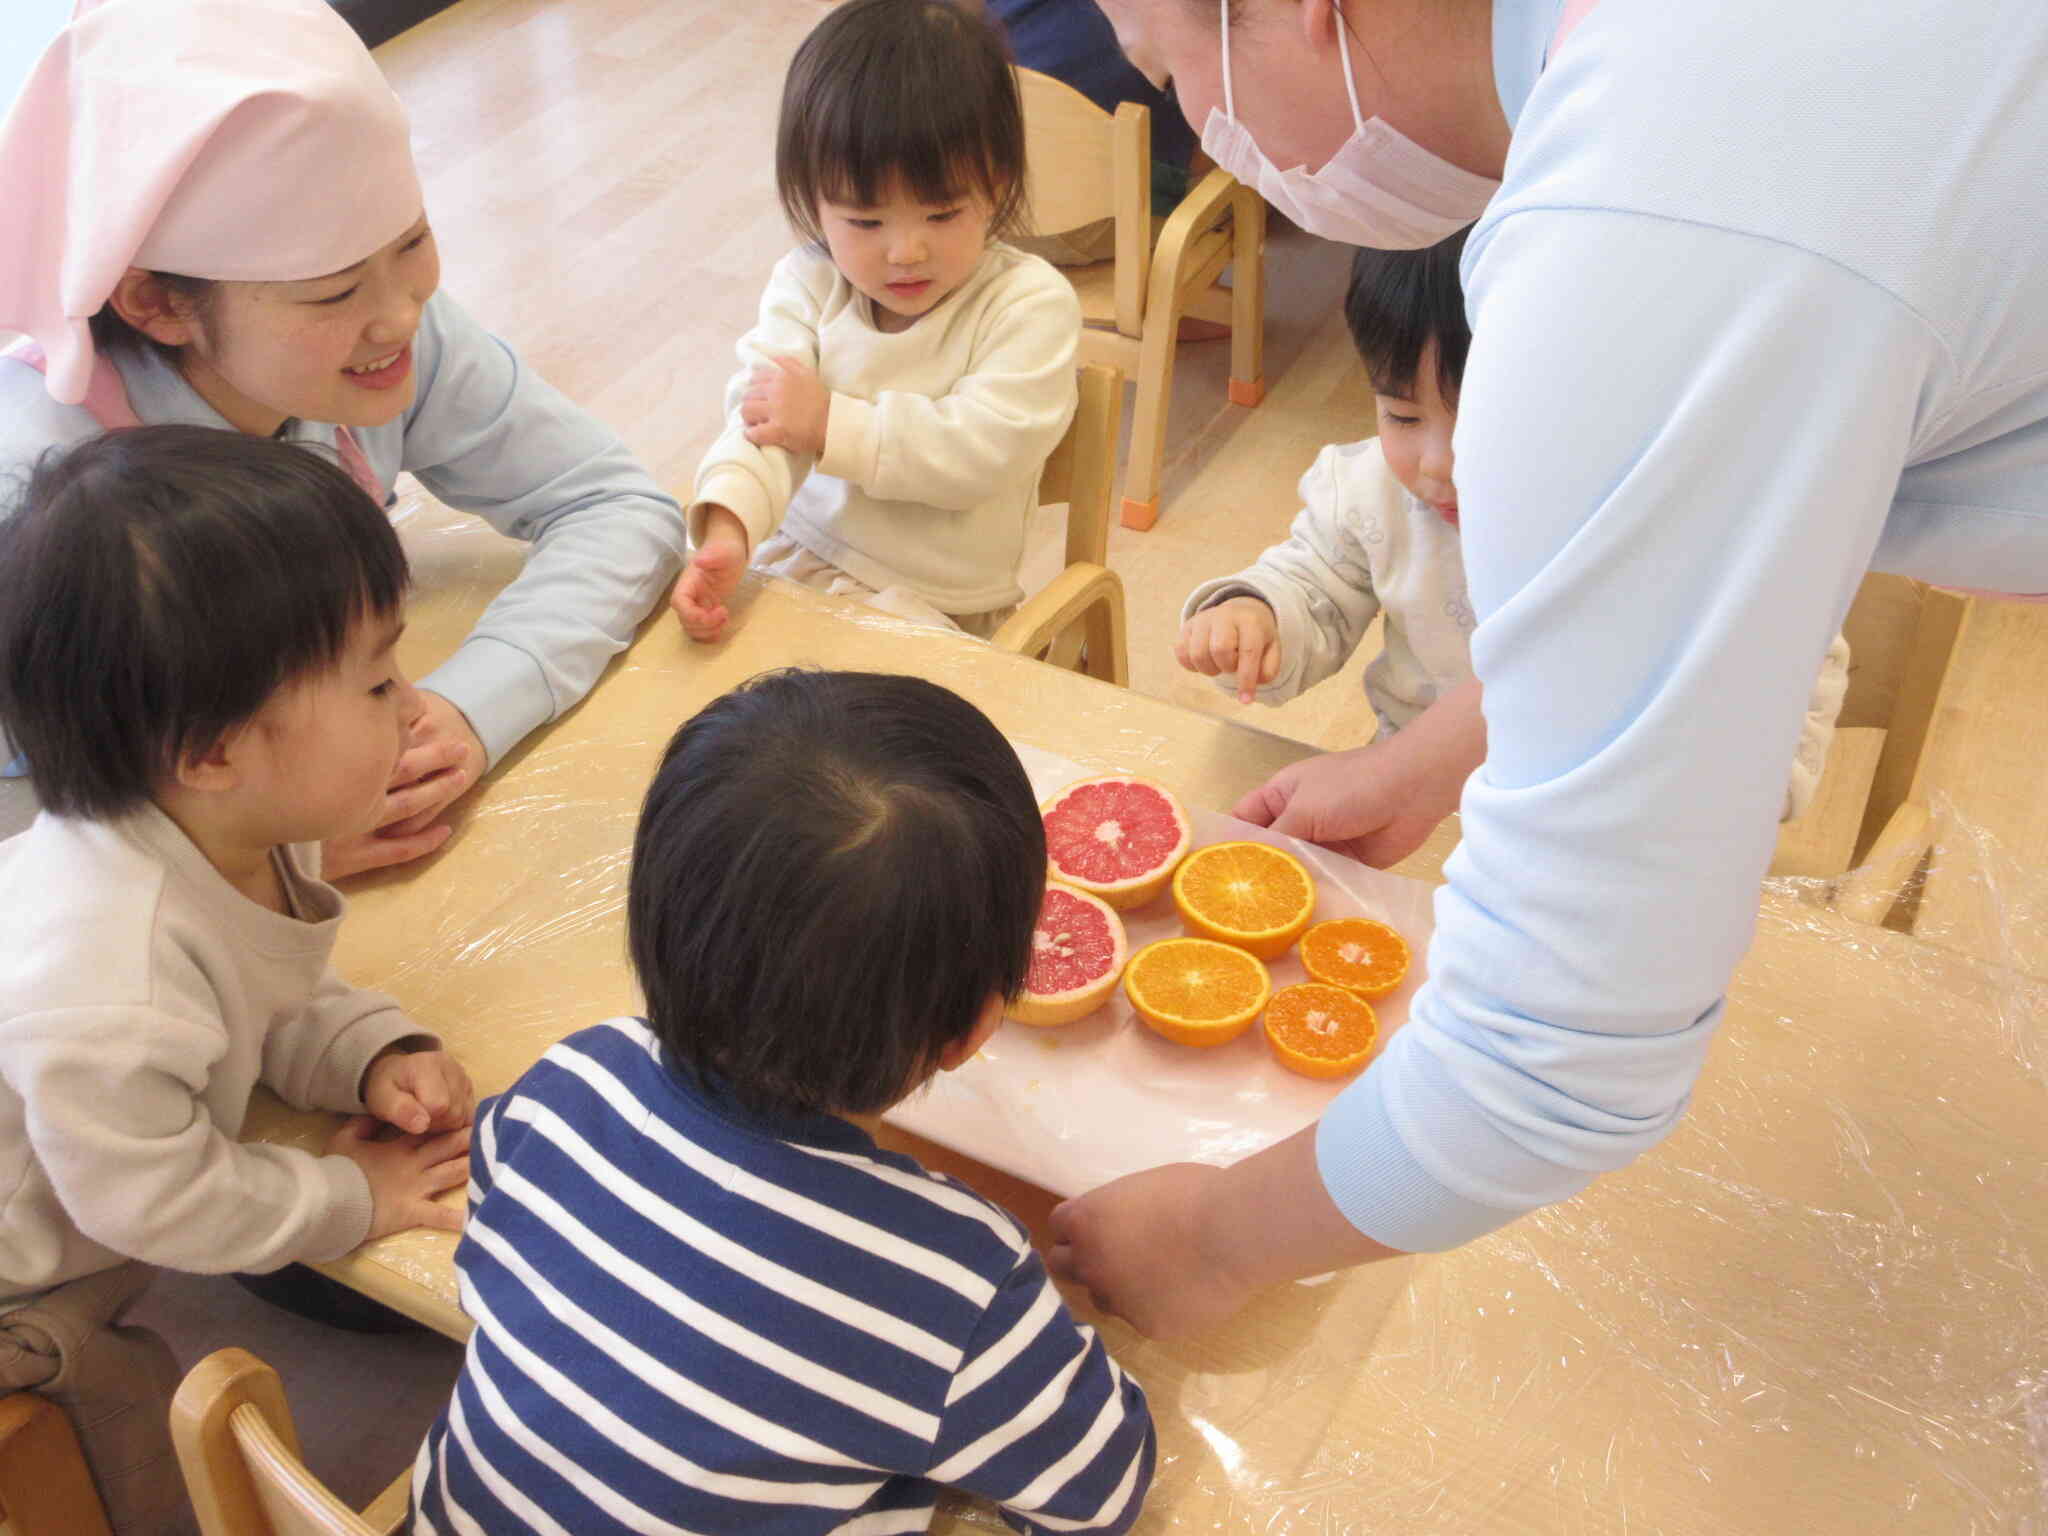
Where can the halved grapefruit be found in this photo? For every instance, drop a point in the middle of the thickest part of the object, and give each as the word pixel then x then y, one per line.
pixel 1116 836
pixel 1077 957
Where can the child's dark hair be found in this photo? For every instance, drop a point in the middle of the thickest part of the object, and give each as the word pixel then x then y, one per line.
pixel 1400 301
pixel 832 872
pixel 916 92
pixel 158 584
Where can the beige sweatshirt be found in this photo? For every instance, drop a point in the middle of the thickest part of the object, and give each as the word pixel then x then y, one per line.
pixel 142 998
pixel 937 434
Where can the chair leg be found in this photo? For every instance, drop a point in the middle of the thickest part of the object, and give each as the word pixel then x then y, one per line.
pixel 1248 299
pixel 1148 420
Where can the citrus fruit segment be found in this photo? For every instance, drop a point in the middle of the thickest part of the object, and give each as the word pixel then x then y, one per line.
pixel 1077 957
pixel 1116 836
pixel 1196 992
pixel 1364 956
pixel 1319 1030
pixel 1248 894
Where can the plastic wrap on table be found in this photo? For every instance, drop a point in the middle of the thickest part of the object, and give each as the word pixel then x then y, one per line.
pixel 1821 1305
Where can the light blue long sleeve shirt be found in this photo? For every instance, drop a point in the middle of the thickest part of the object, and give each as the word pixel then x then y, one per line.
pixel 487 435
pixel 1762 304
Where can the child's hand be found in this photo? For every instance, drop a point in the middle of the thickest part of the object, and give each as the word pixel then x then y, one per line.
pixel 711 576
pixel 405 1173
pixel 1238 635
pixel 786 407
pixel 419 1091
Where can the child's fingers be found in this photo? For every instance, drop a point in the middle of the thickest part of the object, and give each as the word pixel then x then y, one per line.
pixel 1222 647
pixel 390 846
pixel 767 434
pixel 1269 663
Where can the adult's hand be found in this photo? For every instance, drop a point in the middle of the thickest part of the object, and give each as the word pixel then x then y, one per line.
pixel 442 761
pixel 1178 1249
pixel 1378 803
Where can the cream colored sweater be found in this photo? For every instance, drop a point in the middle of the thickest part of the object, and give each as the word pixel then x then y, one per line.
pixel 142 998
pixel 937 434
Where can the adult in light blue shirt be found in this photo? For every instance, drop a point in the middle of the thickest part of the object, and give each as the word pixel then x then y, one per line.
pixel 1761 304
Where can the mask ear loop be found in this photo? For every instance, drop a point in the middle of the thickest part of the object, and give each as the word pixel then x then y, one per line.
pixel 1230 106
pixel 1343 53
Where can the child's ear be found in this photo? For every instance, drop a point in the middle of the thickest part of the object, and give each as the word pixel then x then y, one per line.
pixel 214 768
pixel 969 1045
pixel 147 304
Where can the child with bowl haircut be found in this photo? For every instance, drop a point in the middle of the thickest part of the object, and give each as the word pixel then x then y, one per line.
pixel 1379 534
pixel 909 371
pixel 196 631
pixel 705 1298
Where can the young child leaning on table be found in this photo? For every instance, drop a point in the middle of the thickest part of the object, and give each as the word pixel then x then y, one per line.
pixel 195 652
pixel 908 373
pixel 705 1298
pixel 1378 534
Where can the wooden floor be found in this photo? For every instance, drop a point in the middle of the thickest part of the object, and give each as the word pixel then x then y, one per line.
pixel 599 174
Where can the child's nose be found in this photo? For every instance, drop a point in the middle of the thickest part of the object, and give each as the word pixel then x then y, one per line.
pixel 906 249
pixel 411 703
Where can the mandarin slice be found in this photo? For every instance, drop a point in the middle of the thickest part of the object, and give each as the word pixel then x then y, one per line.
pixel 1253 895
pixel 1196 991
pixel 1320 1030
pixel 1356 953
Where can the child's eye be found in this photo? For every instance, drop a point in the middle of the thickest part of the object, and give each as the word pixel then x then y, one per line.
pixel 1399 421
pixel 418 240
pixel 946 217
pixel 382 689
pixel 336 298
pixel 865 223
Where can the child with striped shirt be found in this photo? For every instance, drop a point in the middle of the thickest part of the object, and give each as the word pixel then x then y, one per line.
pixel 705 1299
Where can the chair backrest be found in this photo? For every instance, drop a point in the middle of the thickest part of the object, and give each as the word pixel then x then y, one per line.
pixel 241 1458
pixel 1084 164
pixel 1081 470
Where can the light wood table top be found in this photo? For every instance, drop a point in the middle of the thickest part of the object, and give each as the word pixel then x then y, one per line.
pixel 1819 1306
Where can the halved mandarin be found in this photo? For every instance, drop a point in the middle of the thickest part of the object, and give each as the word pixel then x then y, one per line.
pixel 1356 953
pixel 1253 895
pixel 1195 991
pixel 1319 1030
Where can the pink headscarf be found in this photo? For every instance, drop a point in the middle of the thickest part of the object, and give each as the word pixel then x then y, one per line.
pixel 239 139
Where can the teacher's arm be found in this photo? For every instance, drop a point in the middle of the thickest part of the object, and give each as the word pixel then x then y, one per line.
pixel 1676 448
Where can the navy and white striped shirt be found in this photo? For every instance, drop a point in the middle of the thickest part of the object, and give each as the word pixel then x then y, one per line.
pixel 691 1318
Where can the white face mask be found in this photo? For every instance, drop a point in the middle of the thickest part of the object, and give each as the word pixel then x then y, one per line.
pixel 1380 188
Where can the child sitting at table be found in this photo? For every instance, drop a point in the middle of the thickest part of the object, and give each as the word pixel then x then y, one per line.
pixel 195 650
pixel 909 372
pixel 705 1298
pixel 1379 534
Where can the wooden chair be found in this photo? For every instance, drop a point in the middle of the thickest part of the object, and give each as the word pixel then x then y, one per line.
pixel 242 1464
pixel 1869 823
pixel 45 1489
pixel 1077 619
pixel 1085 165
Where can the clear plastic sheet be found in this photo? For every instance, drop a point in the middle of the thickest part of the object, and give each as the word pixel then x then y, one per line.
pixel 1821 1305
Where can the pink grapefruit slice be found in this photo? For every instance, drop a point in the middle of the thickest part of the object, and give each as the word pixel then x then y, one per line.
pixel 1116 836
pixel 1077 956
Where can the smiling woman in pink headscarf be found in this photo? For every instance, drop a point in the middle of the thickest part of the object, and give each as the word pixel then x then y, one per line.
pixel 213 217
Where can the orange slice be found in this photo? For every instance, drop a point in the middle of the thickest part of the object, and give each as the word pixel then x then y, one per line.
pixel 1319 1030
pixel 1196 992
pixel 1356 953
pixel 1248 894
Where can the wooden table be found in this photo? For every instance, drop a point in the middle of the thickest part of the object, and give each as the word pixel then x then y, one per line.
pixel 1821 1306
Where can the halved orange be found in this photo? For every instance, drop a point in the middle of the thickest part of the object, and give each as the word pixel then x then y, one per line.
pixel 1248 894
pixel 1196 992
pixel 1356 953
pixel 1320 1030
